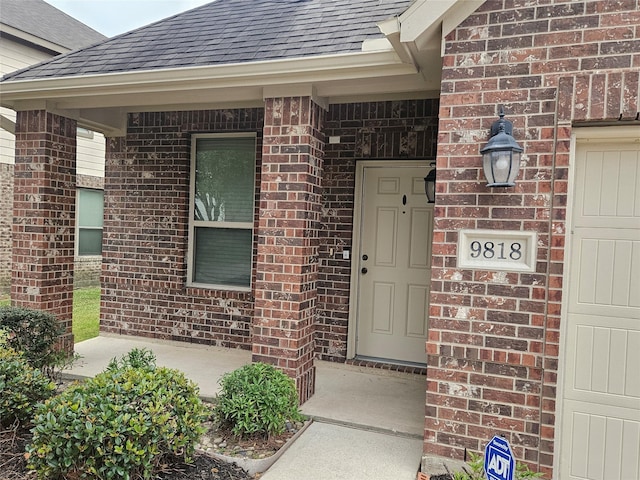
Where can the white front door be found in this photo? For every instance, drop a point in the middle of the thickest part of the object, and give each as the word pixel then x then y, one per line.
pixel 394 264
pixel 600 414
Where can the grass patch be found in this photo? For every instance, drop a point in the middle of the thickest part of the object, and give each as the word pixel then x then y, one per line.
pixel 86 312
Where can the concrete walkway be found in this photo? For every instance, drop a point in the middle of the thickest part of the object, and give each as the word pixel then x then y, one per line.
pixel 368 422
pixel 332 452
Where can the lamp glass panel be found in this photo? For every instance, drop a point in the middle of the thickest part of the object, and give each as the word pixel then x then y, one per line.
pixel 515 167
pixel 499 165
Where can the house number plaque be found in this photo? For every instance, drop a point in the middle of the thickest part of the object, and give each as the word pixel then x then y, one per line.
pixel 497 250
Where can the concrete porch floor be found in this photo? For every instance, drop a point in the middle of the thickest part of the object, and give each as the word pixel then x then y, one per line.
pixel 366 419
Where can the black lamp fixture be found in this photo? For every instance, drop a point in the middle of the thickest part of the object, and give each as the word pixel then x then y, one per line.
pixel 501 155
pixel 430 184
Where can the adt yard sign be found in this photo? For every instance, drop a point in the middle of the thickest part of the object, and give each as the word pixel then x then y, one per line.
pixel 498 460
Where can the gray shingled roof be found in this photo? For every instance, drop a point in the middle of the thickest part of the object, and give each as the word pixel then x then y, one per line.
pixel 42 20
pixel 230 31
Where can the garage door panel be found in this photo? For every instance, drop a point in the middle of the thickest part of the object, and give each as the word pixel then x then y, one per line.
pixel 604 446
pixel 628 185
pixel 608 269
pixel 610 180
pixel 601 365
pixel 600 414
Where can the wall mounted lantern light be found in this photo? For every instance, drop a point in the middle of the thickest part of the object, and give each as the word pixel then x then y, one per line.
pixel 430 184
pixel 501 155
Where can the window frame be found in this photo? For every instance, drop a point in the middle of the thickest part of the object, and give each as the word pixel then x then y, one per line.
pixel 193 223
pixel 78 227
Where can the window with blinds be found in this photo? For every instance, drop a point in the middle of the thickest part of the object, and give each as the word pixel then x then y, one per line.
pixel 222 207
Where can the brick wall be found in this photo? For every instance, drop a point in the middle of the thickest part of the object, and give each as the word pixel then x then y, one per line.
pixel 145 234
pixel 146 200
pixel 6 219
pixel 287 259
pixel 43 228
pixel 90 181
pixel 368 131
pixel 494 340
pixel 86 270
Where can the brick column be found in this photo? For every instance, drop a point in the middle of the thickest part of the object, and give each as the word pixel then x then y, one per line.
pixel 44 216
pixel 287 268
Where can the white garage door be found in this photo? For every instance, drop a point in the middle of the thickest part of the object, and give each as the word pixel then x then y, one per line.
pixel 600 432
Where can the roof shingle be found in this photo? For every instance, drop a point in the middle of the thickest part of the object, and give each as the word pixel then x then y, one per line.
pixel 230 31
pixel 42 20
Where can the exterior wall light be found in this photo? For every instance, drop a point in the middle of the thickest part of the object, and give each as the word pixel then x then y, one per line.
pixel 501 155
pixel 430 184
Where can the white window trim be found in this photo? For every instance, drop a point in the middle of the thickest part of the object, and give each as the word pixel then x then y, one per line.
pixel 77 227
pixel 193 223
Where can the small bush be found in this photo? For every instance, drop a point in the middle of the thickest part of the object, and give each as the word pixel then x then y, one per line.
pixel 257 398
pixel 137 358
pixel 120 424
pixel 476 470
pixel 35 333
pixel 22 387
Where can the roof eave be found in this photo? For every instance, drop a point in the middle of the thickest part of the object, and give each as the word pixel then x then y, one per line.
pixel 418 34
pixel 244 83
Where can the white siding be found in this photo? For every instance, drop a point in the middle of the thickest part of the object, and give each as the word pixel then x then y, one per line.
pixel 14 56
pixel 7 143
pixel 90 153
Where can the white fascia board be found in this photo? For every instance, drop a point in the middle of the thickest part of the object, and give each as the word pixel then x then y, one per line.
pixel 176 80
pixel 391 29
pixel 423 16
pixel 426 23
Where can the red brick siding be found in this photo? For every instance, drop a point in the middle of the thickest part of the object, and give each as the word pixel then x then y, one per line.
pixel 44 215
pixel 288 238
pixel 144 268
pixel 6 219
pixel 381 130
pixel 90 181
pixel 494 338
pixel 86 272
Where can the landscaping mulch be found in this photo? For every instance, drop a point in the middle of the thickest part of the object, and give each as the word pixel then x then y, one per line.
pixel 204 467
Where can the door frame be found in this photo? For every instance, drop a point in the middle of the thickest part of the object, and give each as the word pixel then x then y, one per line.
pixel 354 285
pixel 582 135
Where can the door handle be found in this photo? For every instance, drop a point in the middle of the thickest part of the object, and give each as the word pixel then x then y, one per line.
pixel 364 270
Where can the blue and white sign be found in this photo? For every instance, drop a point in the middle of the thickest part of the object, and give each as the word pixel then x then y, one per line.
pixel 499 463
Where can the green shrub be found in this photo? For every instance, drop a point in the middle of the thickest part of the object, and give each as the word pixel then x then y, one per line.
pixel 476 470
pixel 22 387
pixel 257 398
pixel 137 358
pixel 120 424
pixel 35 333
